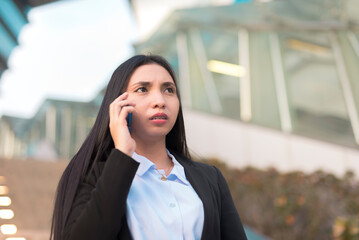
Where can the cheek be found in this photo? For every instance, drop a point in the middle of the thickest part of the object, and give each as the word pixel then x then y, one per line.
pixel 175 108
pixel 177 105
pixel 139 114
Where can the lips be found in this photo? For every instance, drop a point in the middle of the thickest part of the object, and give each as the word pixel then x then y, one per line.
pixel 161 116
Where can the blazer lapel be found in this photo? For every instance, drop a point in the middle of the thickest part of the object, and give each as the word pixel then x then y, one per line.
pixel 200 184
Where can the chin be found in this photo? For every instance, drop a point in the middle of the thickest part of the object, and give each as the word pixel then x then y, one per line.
pixel 153 135
pixel 158 134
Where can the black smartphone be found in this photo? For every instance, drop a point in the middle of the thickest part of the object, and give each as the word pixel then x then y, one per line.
pixel 129 122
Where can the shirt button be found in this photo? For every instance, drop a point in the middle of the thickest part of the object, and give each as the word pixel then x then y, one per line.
pixel 172 205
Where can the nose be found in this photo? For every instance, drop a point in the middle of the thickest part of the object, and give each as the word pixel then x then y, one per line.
pixel 158 100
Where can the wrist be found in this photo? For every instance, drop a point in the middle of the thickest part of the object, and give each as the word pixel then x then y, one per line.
pixel 128 152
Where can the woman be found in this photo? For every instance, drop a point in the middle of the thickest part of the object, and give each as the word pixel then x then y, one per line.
pixel 141 184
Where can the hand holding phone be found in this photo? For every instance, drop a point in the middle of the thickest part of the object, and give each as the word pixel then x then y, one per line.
pixel 120 116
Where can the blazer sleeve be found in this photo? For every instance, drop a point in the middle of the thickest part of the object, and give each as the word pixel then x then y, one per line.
pixel 231 225
pixel 100 202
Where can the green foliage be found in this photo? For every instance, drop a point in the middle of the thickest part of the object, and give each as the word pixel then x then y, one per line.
pixel 295 205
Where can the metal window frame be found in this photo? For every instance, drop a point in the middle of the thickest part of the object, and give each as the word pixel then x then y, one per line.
pixel 245 98
pixel 345 83
pixel 209 85
pixel 354 42
pixel 280 85
pixel 184 72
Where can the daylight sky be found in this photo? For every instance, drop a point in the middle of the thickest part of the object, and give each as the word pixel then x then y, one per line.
pixel 68 50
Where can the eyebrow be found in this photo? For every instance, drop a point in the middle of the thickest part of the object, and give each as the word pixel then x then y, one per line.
pixel 141 83
pixel 144 83
pixel 166 84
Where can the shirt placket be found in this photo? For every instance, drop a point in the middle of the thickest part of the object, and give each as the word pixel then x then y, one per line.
pixel 175 208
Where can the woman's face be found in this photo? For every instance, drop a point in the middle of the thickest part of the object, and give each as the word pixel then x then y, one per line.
pixel 153 91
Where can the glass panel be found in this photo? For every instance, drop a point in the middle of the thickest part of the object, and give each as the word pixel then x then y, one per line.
pixel 170 53
pixel 7 43
pixel 315 96
pixel 198 93
pixel 12 16
pixel 349 43
pixel 223 47
pixel 264 100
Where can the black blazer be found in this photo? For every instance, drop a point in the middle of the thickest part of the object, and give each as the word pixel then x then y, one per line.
pixel 99 208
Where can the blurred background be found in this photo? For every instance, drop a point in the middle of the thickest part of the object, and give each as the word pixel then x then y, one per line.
pixel 270 90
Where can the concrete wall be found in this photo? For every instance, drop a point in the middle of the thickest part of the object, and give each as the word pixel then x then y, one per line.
pixel 241 145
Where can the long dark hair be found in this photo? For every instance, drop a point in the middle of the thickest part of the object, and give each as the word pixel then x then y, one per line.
pixel 99 143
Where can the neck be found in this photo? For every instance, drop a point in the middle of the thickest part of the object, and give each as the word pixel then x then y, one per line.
pixel 155 151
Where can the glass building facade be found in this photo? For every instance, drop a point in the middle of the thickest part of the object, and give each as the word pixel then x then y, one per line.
pixel 13 17
pixel 280 65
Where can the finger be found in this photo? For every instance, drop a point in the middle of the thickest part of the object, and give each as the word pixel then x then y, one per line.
pixel 124 113
pixel 118 119
pixel 122 97
pixel 117 107
pixel 126 103
pixel 113 108
pixel 117 104
pixel 112 112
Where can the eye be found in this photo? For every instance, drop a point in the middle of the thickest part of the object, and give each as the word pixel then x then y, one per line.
pixel 141 90
pixel 170 90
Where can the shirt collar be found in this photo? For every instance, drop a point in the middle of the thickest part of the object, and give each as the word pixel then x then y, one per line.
pixel 178 170
pixel 146 165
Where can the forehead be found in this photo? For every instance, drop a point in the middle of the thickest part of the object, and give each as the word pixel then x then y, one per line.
pixel 149 73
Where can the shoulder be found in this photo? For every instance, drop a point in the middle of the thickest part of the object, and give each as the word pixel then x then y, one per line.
pixel 95 172
pixel 115 160
pixel 210 171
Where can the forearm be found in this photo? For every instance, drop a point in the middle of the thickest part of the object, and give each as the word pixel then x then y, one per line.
pixel 100 203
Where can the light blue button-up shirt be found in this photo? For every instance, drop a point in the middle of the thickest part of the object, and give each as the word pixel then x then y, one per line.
pixel 163 210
